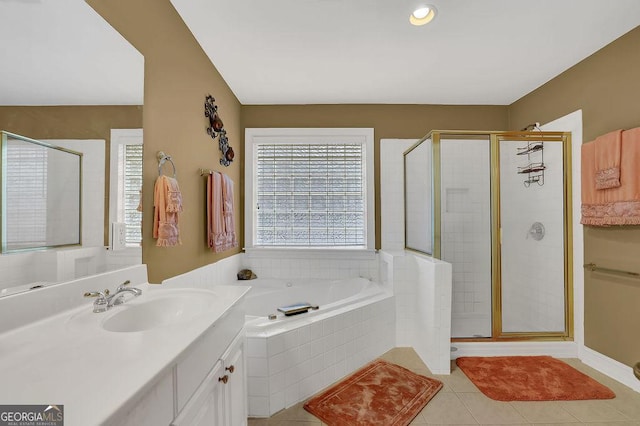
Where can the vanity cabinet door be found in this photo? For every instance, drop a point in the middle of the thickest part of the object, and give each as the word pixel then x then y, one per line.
pixel 207 406
pixel 236 387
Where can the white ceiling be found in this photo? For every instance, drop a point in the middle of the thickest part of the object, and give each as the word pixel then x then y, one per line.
pixel 365 51
pixel 315 51
pixel 61 52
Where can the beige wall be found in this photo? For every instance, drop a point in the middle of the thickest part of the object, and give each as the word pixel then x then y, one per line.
pixel 606 86
pixel 388 121
pixel 72 122
pixel 177 77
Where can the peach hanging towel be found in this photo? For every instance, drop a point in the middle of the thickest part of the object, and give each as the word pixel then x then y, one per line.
pixel 221 234
pixel 167 204
pixel 613 206
pixel 607 158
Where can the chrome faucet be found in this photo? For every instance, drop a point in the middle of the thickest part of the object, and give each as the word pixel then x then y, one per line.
pixel 117 298
pixel 105 301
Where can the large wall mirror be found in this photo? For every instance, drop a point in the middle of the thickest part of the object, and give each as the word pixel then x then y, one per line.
pixel 40 194
pixel 69 80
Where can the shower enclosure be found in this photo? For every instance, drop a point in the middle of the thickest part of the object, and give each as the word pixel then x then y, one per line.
pixel 497 206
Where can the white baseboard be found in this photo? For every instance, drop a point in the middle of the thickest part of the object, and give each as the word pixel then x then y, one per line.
pixel 612 368
pixel 554 349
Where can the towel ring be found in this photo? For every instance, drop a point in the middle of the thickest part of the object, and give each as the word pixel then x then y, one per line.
pixel 163 158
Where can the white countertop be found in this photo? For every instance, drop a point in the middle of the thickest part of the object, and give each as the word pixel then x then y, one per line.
pixel 70 359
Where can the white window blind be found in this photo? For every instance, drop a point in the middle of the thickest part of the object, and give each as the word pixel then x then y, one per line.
pixel 131 184
pixel 27 213
pixel 311 195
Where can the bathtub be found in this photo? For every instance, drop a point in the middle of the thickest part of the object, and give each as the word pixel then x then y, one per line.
pixel 290 358
pixel 267 295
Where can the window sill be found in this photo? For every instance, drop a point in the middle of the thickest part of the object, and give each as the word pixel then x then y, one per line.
pixel 311 253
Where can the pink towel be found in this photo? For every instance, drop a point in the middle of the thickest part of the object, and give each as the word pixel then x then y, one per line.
pixel 607 158
pixel 221 234
pixel 167 203
pixel 613 206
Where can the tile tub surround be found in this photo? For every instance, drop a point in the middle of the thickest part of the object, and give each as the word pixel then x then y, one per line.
pixel 286 367
pixel 420 317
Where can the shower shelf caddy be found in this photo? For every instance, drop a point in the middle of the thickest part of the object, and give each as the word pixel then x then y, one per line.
pixel 534 169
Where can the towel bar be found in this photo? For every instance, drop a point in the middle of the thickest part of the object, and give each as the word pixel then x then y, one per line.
pixel 595 268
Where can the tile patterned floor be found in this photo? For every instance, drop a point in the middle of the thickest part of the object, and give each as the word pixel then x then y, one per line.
pixel 459 402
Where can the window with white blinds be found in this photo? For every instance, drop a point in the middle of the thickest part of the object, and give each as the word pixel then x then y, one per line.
pixel 132 183
pixel 28 212
pixel 126 183
pixel 310 191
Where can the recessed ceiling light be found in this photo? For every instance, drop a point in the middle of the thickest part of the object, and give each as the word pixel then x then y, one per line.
pixel 422 15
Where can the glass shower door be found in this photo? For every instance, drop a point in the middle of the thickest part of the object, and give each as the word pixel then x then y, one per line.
pixel 466 231
pixel 532 243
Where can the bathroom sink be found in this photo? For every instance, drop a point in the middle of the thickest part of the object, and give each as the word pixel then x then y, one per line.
pixel 152 310
pixel 162 310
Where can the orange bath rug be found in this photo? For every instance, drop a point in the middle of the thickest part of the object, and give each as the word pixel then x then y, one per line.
pixel 530 378
pixel 380 393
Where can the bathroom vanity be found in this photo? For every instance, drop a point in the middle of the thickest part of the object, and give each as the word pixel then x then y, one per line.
pixel 170 356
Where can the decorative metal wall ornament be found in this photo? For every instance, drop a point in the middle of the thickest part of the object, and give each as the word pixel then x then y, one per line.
pixel 216 130
pixel 227 151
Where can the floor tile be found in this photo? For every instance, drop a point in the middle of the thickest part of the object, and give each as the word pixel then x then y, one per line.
pixel 460 402
pixel 297 413
pixel 590 424
pixel 418 420
pixel 446 408
pixel 488 411
pixel 543 412
pixel 459 382
pixel 594 411
pixel 628 404
pixel 405 357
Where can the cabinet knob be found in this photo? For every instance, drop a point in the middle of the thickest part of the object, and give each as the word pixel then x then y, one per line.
pixel 224 379
pixel 230 369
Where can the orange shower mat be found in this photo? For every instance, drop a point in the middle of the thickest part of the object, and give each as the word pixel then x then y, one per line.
pixel 530 378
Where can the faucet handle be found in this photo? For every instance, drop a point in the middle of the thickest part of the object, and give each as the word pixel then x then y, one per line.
pixel 123 285
pixel 101 304
pixel 134 290
pixel 98 294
